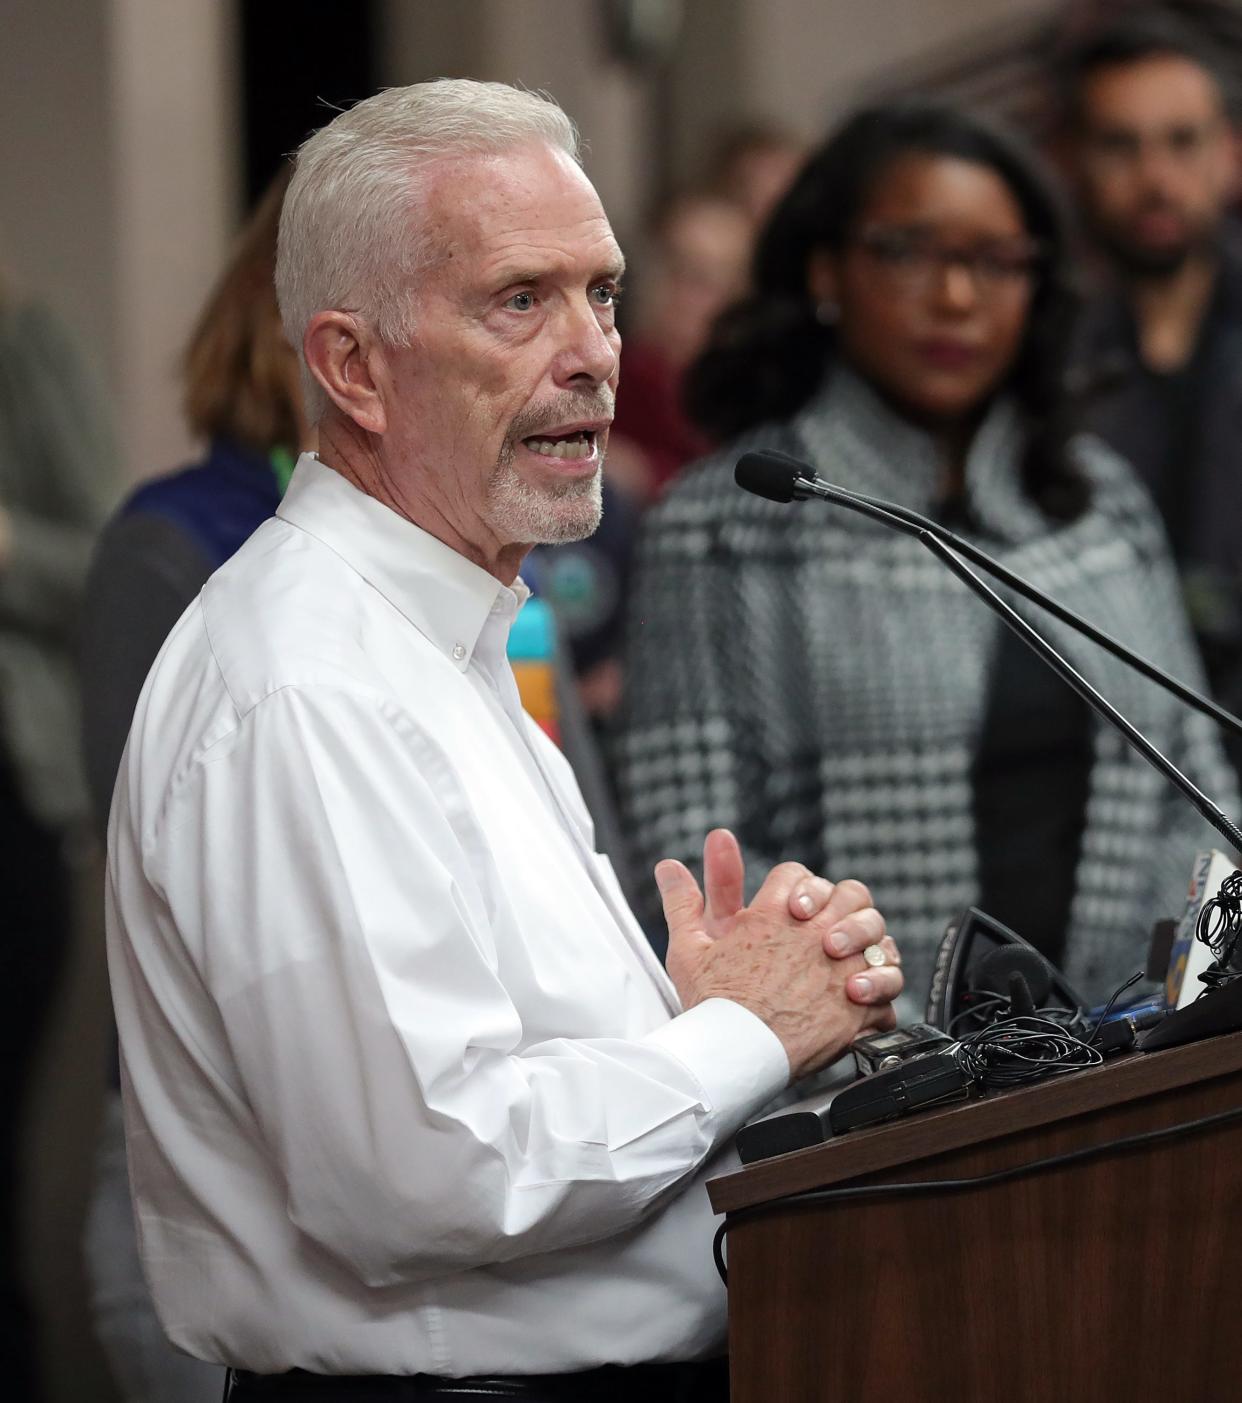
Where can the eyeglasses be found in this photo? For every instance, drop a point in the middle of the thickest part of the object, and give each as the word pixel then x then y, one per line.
pixel 917 263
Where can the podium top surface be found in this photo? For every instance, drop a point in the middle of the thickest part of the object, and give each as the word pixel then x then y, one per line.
pixel 964 1123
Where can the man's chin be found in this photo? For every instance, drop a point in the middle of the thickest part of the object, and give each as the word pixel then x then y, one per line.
pixel 1155 260
pixel 572 519
pixel 542 517
pixel 569 531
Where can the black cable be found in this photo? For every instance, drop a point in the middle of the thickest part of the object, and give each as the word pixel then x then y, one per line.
pixel 1108 1007
pixel 1027 1048
pixel 1058 611
pixel 802 486
pixel 981 1007
pixel 987 1009
pixel 1219 927
pixel 1221 916
pixel 930 1186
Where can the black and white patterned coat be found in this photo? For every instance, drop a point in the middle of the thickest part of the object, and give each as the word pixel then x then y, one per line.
pixel 818 683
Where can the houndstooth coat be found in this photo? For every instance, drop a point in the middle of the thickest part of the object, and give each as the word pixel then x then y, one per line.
pixel 818 683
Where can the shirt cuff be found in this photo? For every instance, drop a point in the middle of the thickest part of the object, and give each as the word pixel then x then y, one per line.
pixel 734 1056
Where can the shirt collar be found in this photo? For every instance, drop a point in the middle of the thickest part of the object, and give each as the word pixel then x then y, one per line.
pixel 445 596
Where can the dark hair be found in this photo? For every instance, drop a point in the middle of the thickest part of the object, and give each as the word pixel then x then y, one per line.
pixel 1155 32
pixel 768 354
pixel 241 374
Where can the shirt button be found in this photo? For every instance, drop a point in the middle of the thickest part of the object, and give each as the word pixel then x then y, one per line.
pixel 459 651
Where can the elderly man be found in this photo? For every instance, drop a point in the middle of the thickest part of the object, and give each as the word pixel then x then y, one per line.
pixel 412 1111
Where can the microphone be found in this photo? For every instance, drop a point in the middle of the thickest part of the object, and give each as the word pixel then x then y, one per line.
pixel 998 971
pixel 781 478
pixel 1014 980
pixel 976 957
pixel 1021 1001
pixel 774 476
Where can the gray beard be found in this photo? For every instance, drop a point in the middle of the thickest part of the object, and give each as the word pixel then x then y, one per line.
pixel 542 516
pixel 522 514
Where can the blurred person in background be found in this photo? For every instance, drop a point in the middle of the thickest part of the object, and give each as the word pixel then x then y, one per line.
pixel 753 165
pixel 1153 154
pixel 694 266
pixel 242 396
pixel 824 686
pixel 57 483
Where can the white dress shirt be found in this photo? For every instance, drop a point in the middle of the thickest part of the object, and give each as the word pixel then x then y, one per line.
pixel 405 1088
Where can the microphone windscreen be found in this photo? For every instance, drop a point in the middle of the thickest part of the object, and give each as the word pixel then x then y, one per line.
pixel 994 971
pixel 1020 1000
pixel 769 475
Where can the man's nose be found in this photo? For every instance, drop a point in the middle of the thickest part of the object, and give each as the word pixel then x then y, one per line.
pixel 1158 166
pixel 589 351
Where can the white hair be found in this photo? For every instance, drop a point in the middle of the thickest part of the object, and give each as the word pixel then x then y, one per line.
pixel 350 235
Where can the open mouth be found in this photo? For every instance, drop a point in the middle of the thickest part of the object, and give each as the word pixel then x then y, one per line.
pixel 578 444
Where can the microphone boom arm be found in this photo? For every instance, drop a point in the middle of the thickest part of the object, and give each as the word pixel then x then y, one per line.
pixel 1103 640
pixel 922 530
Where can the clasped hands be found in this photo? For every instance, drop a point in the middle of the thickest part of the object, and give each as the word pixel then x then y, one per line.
pixel 794 956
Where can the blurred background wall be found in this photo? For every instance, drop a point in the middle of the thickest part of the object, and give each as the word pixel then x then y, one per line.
pixel 136 132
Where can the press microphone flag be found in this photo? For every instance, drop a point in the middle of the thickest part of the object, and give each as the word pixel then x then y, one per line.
pixel 780 478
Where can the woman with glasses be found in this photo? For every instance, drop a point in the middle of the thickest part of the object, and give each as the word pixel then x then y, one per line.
pixel 825 687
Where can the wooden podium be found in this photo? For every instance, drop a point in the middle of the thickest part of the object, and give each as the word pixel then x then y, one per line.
pixel 1113 1277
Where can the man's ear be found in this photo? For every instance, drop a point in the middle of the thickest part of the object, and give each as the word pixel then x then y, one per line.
pixel 343 356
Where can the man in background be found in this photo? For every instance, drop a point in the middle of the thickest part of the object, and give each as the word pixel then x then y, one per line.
pixel 1152 153
pixel 694 264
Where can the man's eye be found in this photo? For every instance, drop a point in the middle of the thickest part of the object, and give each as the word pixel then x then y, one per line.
pixel 606 295
pixel 521 301
pixel 1183 139
pixel 1117 144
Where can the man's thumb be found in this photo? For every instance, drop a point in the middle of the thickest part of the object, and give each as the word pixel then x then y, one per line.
pixel 680 895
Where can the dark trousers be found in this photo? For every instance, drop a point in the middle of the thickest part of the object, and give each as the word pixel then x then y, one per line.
pixel 645 1383
pixel 35 910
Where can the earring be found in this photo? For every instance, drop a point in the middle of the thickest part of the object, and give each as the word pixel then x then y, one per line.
pixel 827 312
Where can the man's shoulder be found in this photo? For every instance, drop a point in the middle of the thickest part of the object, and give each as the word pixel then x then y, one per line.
pixel 286 623
pixel 286 610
